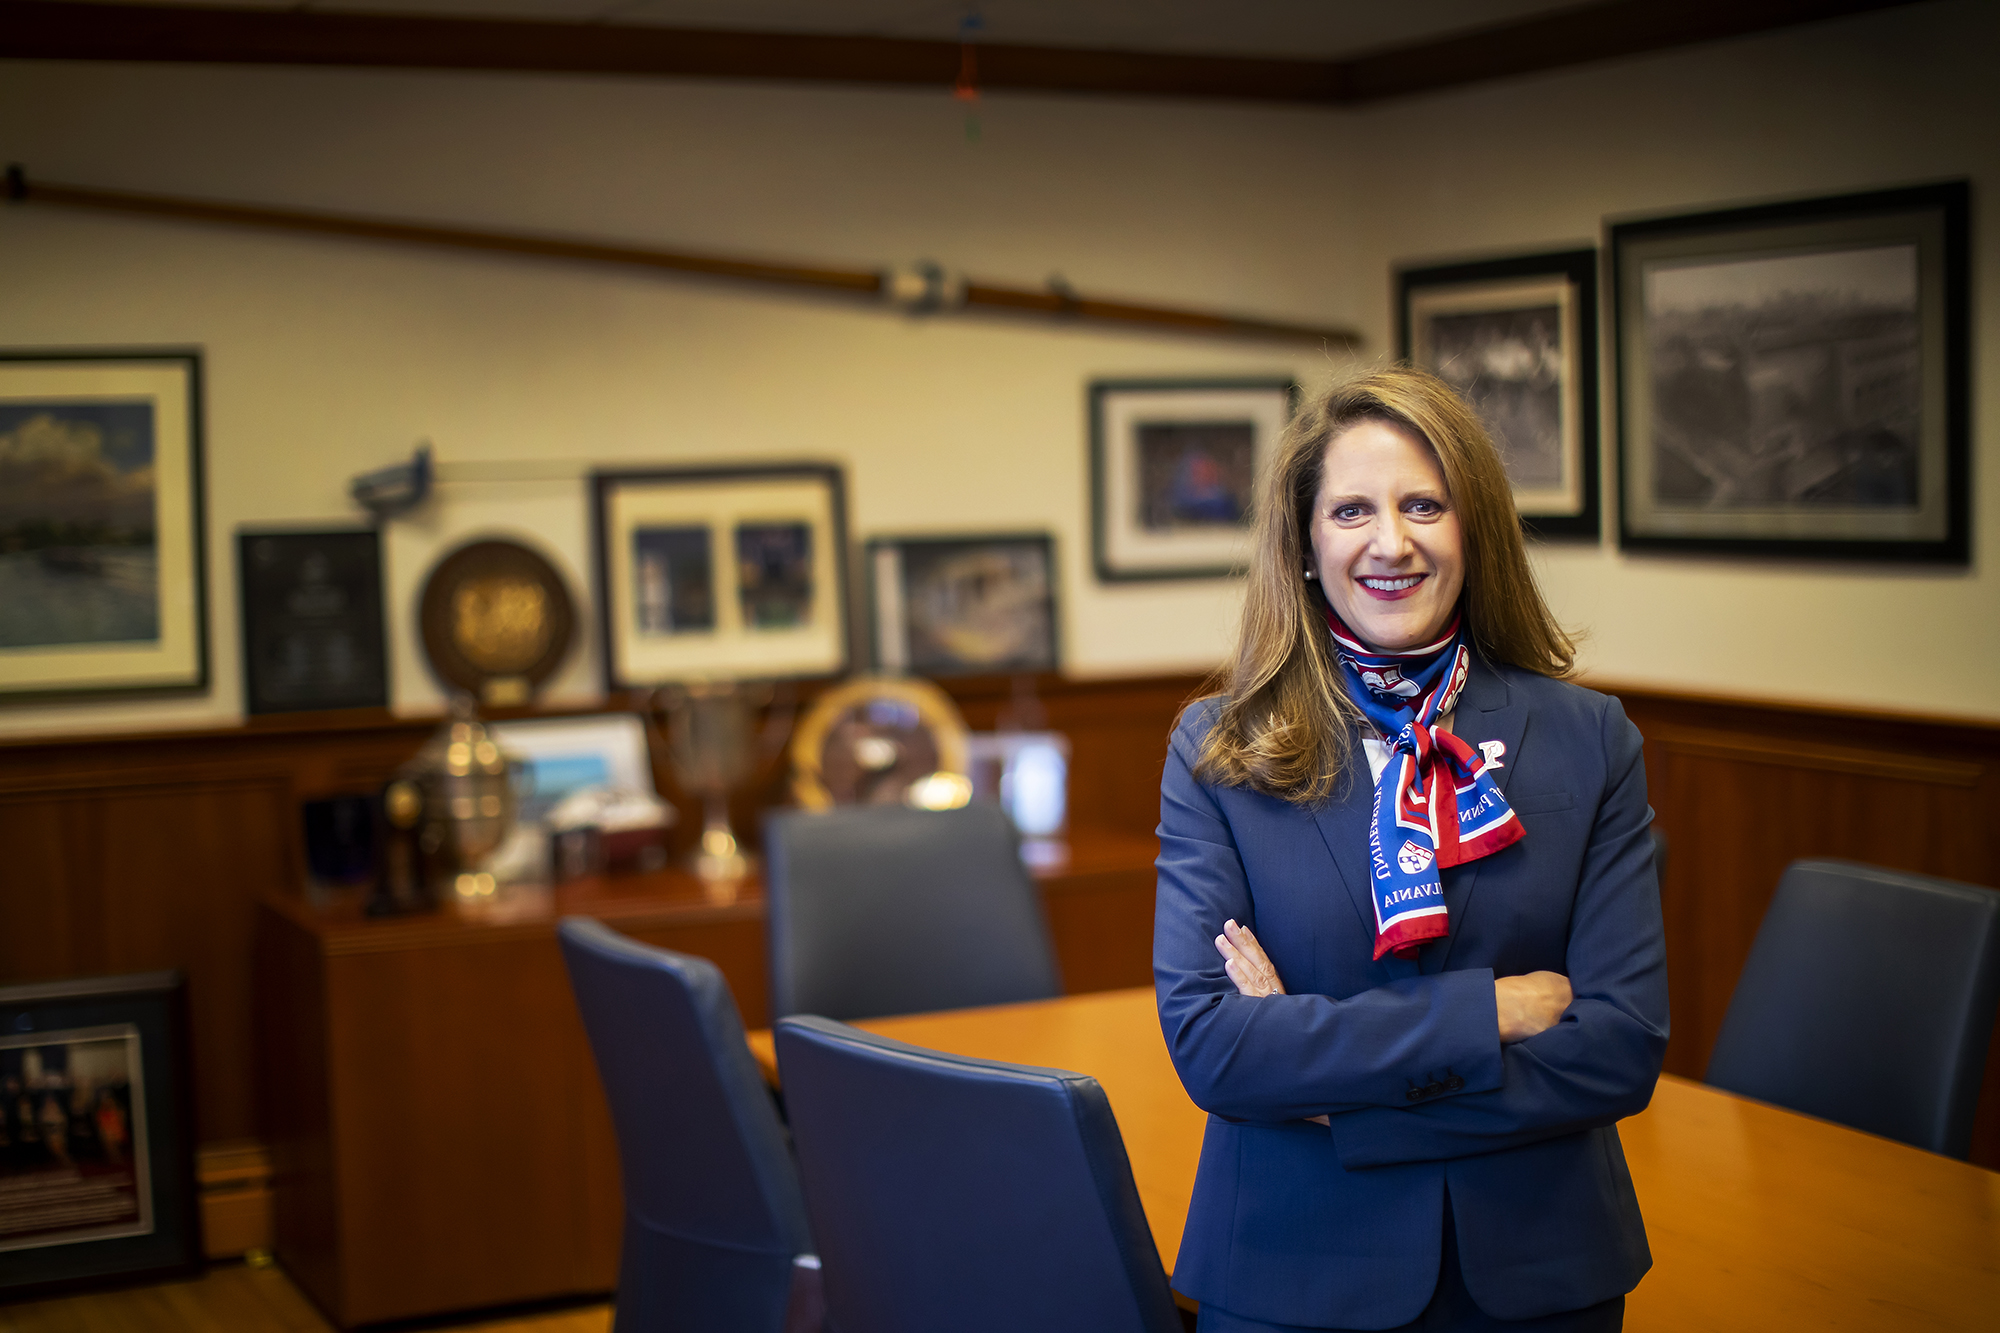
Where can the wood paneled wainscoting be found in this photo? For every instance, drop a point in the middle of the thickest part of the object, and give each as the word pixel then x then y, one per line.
pixel 1741 789
pixel 126 853
pixel 130 852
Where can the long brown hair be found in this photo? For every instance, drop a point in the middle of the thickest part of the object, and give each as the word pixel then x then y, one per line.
pixel 1286 723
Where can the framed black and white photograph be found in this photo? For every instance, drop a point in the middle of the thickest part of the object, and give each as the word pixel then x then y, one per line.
pixel 96 1135
pixel 1793 378
pixel 312 620
pixel 1173 468
pixel 101 577
pixel 721 573
pixel 1518 338
pixel 963 605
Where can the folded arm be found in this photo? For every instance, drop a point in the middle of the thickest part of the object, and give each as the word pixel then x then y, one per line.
pixel 1600 1062
pixel 1289 1057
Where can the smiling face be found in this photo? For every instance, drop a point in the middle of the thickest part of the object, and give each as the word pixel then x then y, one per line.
pixel 1385 540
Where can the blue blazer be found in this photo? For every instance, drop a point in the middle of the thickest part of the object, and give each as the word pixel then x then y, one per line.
pixel 1341 1226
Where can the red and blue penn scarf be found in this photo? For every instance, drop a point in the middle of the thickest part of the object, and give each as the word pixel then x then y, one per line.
pixel 1403 695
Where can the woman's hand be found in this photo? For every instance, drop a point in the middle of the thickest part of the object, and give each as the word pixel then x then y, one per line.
pixel 1245 962
pixel 1250 968
pixel 1530 1004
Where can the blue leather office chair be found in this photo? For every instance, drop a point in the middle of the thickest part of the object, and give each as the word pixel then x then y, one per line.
pixel 886 910
pixel 713 1215
pixel 1868 999
pixel 962 1194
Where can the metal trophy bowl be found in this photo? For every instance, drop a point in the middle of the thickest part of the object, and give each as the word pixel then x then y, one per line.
pixel 709 743
pixel 448 810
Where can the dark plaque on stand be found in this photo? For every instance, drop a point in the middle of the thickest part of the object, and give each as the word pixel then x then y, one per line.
pixel 312 620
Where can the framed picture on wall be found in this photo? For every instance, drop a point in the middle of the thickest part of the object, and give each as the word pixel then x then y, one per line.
pixel 1518 337
pixel 1173 471
pixel 963 605
pixel 101 545
pixel 96 1107
pixel 312 620
pixel 1793 378
pixel 721 573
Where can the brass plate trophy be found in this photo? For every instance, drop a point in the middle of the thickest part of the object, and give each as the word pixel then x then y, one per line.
pixel 882 740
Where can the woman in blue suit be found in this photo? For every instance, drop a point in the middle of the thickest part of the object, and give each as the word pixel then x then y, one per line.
pixel 1408 945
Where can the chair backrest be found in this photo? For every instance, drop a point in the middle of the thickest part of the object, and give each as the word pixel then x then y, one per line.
pixel 963 1194
pixel 1868 999
pixel 713 1213
pixel 887 910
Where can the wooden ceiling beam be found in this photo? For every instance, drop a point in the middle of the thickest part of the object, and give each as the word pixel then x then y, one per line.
pixel 936 293
pixel 63 30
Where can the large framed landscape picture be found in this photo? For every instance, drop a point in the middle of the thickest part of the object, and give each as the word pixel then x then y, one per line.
pixel 1518 337
pixel 1793 378
pixel 101 579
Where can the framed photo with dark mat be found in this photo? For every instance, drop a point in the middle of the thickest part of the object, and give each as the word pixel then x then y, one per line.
pixel 1794 377
pixel 312 620
pixel 102 586
pixel 96 1134
pixel 963 605
pixel 497 620
pixel 1518 337
pixel 1173 471
pixel 721 573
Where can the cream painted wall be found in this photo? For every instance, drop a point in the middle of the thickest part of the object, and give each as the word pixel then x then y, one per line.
pixel 1894 98
pixel 325 358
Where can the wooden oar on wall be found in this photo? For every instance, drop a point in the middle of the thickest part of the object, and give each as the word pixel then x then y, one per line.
pixel 923 288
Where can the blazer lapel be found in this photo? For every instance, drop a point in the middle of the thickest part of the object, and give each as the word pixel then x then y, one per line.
pixel 1486 712
pixel 1343 825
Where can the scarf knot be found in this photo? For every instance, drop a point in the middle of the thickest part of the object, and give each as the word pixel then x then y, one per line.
pixel 1404 695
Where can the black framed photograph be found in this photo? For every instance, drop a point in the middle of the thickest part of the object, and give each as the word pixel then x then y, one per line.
pixel 963 605
pixel 1173 471
pixel 101 547
pixel 97 1177
pixel 312 620
pixel 721 573
pixel 1793 378
pixel 1518 338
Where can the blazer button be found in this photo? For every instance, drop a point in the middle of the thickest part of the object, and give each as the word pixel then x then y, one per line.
pixel 1433 1088
pixel 1454 1083
pixel 1415 1094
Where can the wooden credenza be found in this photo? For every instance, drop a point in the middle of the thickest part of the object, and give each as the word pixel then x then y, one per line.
pixel 438 1136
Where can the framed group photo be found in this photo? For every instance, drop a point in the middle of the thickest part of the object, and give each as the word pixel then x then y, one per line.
pixel 963 605
pixel 1173 470
pixel 102 585
pixel 721 573
pixel 1793 378
pixel 96 1134
pixel 1518 338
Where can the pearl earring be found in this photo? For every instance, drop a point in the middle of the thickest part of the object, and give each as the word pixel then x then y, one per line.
pixel 1310 576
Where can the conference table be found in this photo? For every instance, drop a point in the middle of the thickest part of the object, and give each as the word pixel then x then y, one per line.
pixel 1759 1218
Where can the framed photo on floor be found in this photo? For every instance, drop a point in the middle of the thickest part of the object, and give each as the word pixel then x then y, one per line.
pixel 312 620
pixel 963 605
pixel 101 545
pixel 1518 337
pixel 1793 378
pixel 1173 470
pixel 721 573
pixel 97 1169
